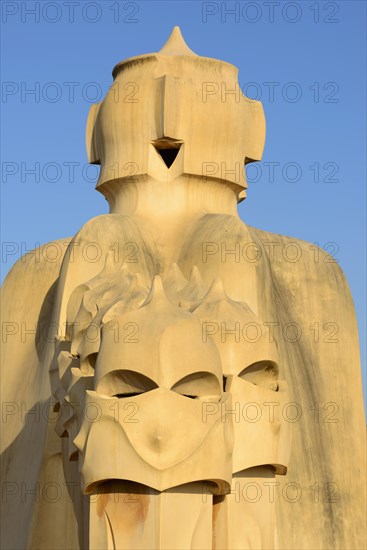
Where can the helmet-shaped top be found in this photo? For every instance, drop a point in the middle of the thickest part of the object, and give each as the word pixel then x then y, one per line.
pixel 173 113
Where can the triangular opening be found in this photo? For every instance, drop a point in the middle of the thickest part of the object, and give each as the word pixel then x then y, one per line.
pixel 168 154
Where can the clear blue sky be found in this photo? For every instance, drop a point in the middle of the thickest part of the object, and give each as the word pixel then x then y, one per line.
pixel 305 59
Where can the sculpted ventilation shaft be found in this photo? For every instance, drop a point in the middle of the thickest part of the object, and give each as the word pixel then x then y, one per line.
pixel 179 358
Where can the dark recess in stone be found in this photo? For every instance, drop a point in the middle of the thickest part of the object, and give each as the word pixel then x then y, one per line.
pixel 168 155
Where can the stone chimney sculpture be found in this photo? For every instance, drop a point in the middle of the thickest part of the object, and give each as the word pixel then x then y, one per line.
pixel 179 380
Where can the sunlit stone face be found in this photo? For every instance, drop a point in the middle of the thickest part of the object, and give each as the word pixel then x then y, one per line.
pixel 162 374
pixel 164 387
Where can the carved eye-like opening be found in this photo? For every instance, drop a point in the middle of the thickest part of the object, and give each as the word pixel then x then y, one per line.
pixel 168 149
pixel 92 358
pixel 262 373
pixel 125 383
pixel 198 385
pixel 168 155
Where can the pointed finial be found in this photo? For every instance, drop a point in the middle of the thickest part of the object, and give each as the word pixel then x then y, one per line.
pixel 195 276
pixel 176 44
pixel 216 291
pixel 156 293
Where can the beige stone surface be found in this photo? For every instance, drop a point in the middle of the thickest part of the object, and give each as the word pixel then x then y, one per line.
pixel 206 388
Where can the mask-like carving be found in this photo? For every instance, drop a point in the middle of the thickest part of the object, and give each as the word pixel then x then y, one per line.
pixel 167 417
pixel 250 367
pixel 165 436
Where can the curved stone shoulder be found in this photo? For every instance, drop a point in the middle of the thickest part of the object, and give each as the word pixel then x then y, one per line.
pixel 297 262
pixel 27 298
pixel 47 256
pixel 321 365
